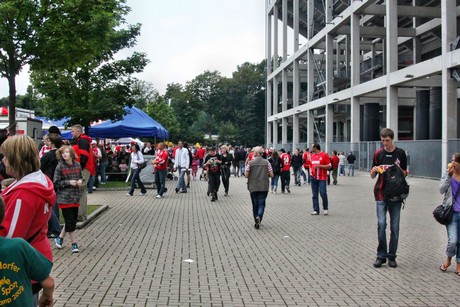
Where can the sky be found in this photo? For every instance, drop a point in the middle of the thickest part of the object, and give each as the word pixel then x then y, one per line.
pixel 184 38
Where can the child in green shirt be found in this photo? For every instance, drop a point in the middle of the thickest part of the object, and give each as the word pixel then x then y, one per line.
pixel 19 264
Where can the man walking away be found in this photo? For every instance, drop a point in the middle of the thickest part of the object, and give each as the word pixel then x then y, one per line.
pixel 297 166
pixel 335 166
pixel 383 159
pixel 351 163
pixel 320 164
pixel 258 171
pixel 285 171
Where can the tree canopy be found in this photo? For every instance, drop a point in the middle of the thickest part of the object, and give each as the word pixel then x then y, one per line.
pixel 57 34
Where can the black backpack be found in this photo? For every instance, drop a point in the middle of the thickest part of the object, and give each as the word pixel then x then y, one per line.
pixel 395 187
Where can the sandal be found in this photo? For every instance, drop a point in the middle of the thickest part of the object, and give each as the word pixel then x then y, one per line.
pixel 444 267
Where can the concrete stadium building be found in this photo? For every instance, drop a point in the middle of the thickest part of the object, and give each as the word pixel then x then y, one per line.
pixel 340 70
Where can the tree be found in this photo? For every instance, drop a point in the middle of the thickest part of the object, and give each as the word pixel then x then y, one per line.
pixel 164 114
pixel 145 93
pixel 58 34
pixel 97 89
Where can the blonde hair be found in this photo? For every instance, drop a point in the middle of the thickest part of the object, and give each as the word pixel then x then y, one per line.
pixel 224 147
pixel 72 152
pixel 22 154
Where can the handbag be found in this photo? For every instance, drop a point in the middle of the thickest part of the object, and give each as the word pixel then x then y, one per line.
pixel 142 165
pixel 443 213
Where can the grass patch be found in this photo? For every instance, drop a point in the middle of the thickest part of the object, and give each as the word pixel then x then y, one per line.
pixel 114 184
pixel 90 209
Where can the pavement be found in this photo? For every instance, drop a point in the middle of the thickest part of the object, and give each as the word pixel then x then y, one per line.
pixel 184 250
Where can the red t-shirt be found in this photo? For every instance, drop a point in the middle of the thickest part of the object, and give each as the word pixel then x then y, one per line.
pixel 286 162
pixel 306 159
pixel 200 153
pixel 161 160
pixel 335 162
pixel 321 158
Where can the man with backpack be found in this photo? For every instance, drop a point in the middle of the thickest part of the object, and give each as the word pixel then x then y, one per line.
pixel 390 164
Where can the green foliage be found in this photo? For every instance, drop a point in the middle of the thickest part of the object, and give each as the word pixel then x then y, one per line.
pixel 163 114
pixel 57 34
pixel 98 89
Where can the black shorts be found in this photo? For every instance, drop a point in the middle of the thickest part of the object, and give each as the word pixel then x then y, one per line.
pixel 70 218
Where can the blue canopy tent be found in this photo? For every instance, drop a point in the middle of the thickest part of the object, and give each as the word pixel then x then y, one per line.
pixel 134 124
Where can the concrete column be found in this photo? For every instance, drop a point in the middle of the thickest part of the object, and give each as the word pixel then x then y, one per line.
pixel 296 24
pixel 435 110
pixel 416 43
pixel 295 130
pixel 275 133
pixel 392 109
pixel 269 104
pixel 275 37
pixel 310 75
pixel 285 26
pixel 355 120
pixel 268 38
pixel 355 78
pixel 449 90
pixel 284 89
pixel 275 95
pixel 329 126
pixel 284 127
pixel 329 64
pixel 311 131
pixel 295 83
pixel 391 47
pixel 269 136
pixel 310 18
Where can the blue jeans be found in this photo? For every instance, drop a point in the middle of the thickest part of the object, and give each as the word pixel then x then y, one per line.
pixel 453 231
pixel 242 168
pixel 319 186
pixel 160 179
pixel 275 181
pixel 394 209
pixel 102 168
pixel 341 170
pixel 258 204
pixel 181 183
pixel 135 178
pixel 54 227
pixel 297 178
pixel 351 167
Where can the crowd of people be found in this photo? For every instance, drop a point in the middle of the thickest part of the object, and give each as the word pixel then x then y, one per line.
pixel 37 183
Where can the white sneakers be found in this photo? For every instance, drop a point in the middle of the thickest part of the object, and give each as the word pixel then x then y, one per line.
pixel 326 212
pixel 314 213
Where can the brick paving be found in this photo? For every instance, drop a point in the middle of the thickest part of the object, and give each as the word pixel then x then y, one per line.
pixel 133 254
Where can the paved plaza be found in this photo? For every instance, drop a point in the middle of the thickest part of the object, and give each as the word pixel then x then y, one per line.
pixel 134 253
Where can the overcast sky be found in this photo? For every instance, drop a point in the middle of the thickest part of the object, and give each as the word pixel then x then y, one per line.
pixel 183 38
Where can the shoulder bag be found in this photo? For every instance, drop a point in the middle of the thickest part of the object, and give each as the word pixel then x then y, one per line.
pixel 443 213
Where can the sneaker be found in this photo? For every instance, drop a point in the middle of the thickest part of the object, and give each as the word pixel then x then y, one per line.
pixel 378 262
pixel 314 213
pixel 158 196
pixel 75 248
pixel 392 263
pixel 143 193
pixel 287 189
pixel 129 194
pixel 59 242
pixel 326 212
pixel 257 224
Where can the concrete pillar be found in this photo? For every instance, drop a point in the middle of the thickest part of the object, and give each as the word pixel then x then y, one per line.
pixel 275 133
pixel 391 47
pixel 275 95
pixel 449 86
pixel 296 24
pixel 284 127
pixel 329 126
pixel 311 75
pixel 355 120
pixel 311 131
pixel 295 130
pixel 285 27
pixel 275 36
